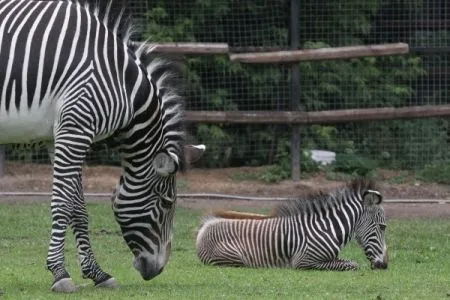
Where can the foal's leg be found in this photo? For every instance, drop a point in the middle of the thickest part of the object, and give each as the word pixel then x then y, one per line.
pixel 335 265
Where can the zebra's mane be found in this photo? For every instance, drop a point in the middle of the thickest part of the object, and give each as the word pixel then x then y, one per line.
pixel 322 201
pixel 164 73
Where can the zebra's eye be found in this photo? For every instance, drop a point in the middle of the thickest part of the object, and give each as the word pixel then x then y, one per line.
pixel 382 227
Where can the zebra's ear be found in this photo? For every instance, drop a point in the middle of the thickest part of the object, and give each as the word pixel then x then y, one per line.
pixel 371 197
pixel 192 153
pixel 164 164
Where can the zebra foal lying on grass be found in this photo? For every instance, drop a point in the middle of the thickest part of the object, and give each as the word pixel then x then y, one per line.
pixel 307 233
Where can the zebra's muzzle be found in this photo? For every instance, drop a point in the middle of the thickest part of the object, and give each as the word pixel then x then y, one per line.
pixel 147 268
pixel 380 264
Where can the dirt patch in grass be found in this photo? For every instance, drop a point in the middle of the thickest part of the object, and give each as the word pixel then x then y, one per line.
pixel 240 181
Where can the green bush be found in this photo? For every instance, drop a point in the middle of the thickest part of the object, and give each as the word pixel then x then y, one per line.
pixel 438 172
pixel 282 170
pixel 354 164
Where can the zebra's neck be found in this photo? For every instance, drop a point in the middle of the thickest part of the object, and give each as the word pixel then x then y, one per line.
pixel 337 222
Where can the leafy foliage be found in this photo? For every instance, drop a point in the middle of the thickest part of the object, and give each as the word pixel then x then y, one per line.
pixel 215 83
pixel 438 172
pixel 354 164
pixel 219 143
pixel 282 170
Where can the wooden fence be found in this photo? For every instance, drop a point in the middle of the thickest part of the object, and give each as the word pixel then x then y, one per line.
pixel 294 117
pixel 319 117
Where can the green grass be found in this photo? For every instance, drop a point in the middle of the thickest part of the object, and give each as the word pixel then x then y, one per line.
pixel 419 264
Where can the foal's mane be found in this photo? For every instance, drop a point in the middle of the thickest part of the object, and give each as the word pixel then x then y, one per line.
pixel 322 201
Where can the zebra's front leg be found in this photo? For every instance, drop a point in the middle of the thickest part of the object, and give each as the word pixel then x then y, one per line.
pixel 61 208
pixel 70 148
pixel 89 266
pixel 336 264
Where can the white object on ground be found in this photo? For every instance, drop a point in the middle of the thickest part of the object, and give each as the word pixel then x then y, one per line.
pixel 323 157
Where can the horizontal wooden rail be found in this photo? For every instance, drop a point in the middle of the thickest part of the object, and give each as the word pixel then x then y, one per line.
pixel 319 117
pixel 191 48
pixel 280 56
pixel 321 54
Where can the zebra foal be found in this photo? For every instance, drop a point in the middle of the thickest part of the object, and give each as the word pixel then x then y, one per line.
pixel 304 234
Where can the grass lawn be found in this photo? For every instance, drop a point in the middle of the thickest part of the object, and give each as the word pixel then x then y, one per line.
pixel 419 266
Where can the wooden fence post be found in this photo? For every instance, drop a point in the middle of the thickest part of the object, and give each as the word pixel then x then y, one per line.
pixel 295 91
pixel 2 160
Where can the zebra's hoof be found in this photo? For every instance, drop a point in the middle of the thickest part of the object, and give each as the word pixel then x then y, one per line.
pixel 64 285
pixel 110 283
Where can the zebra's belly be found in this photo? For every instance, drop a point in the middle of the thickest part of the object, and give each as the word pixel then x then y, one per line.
pixel 26 126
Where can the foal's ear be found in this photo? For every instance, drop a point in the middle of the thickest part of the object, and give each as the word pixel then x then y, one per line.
pixel 192 153
pixel 371 197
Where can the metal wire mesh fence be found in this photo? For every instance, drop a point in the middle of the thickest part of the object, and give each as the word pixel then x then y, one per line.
pixel 214 83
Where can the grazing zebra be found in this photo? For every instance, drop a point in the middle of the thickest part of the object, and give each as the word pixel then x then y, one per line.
pixel 70 76
pixel 305 233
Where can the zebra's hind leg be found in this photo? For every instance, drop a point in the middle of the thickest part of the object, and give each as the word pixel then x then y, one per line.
pixel 89 266
pixel 335 265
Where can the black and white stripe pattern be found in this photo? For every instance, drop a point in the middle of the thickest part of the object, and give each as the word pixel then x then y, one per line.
pixel 70 77
pixel 305 233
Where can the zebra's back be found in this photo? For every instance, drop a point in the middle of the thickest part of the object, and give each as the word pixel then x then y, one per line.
pixel 49 52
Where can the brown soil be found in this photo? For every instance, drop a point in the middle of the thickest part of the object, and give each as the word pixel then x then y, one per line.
pixel 233 181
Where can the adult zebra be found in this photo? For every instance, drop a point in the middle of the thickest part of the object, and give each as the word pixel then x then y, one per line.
pixel 305 233
pixel 70 76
